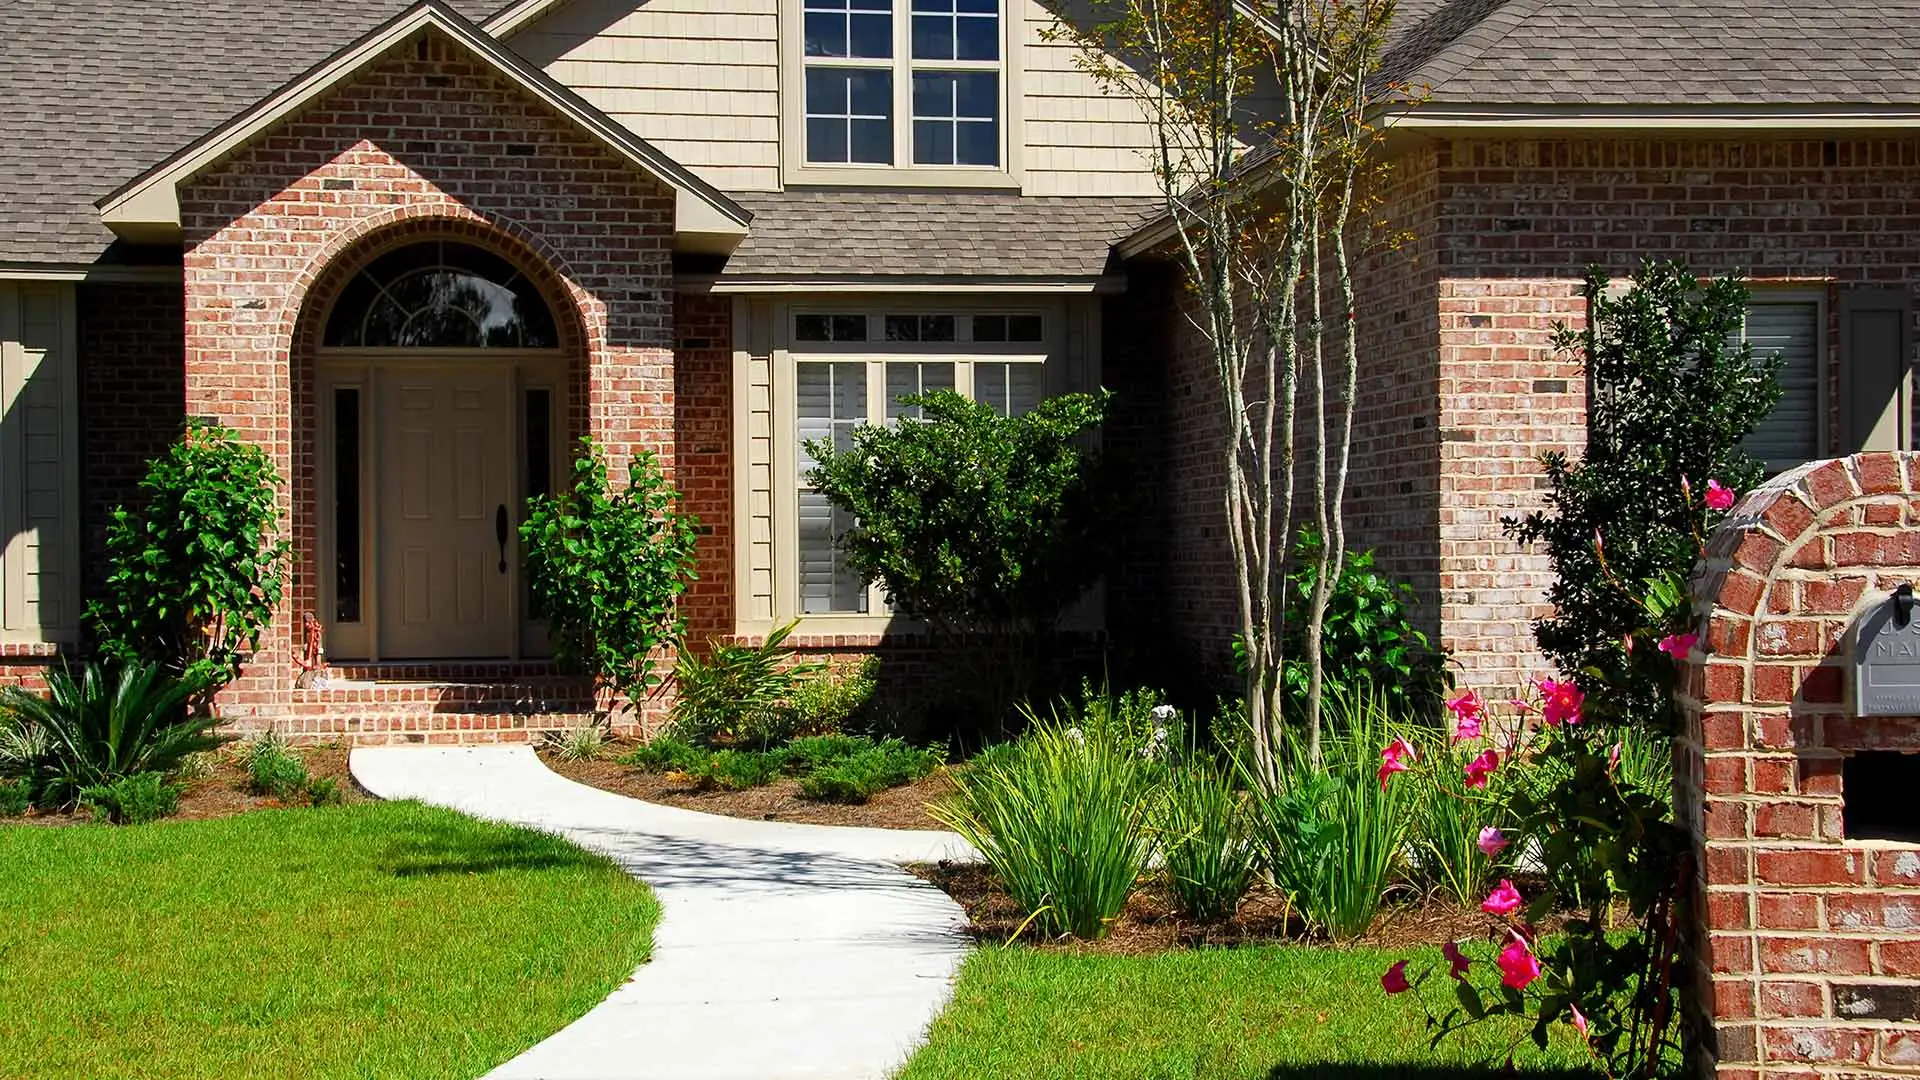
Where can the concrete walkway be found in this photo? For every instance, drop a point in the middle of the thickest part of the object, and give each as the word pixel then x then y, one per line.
pixel 784 951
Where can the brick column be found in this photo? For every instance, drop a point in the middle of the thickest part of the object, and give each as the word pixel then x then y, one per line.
pixel 1807 943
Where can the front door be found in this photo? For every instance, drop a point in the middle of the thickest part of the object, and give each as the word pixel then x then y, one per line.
pixel 444 483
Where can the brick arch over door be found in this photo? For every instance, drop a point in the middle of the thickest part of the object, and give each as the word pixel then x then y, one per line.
pixel 337 265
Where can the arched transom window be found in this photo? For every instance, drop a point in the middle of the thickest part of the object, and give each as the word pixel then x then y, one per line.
pixel 441 294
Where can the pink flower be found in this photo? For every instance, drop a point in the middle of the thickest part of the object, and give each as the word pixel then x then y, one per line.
pixel 1613 758
pixel 1718 497
pixel 1504 900
pixel 1578 1019
pixel 1395 980
pixel 1456 958
pixel 1560 702
pixel 1518 966
pixel 1492 841
pixel 1395 758
pixel 1480 768
pixel 1467 710
pixel 1678 645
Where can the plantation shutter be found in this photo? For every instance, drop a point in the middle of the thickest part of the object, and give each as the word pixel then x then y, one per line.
pixel 1873 369
pixel 39 465
pixel 1791 329
pixel 830 400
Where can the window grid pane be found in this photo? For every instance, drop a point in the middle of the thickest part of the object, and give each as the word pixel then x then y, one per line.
pixel 1011 389
pixel 956 118
pixel 956 30
pixel 849 116
pixel 907 378
pixel 848 29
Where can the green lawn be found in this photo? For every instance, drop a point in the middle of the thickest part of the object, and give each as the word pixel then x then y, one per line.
pixel 375 940
pixel 1275 1013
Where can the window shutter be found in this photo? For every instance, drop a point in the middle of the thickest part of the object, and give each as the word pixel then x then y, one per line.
pixel 1874 354
pixel 39 465
pixel 830 401
pixel 1790 328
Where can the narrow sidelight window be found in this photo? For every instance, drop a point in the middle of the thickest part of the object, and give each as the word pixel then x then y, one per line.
pixel 346 504
pixel 539 427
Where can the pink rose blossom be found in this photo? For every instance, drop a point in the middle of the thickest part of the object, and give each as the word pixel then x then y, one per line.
pixel 1468 710
pixel 1678 645
pixel 1560 702
pixel 1492 841
pixel 1504 900
pixel 1518 966
pixel 1457 959
pixel 1719 497
pixel 1395 758
pixel 1578 1019
pixel 1395 980
pixel 1482 767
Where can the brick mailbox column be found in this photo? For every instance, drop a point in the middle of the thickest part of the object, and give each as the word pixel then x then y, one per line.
pixel 1808 938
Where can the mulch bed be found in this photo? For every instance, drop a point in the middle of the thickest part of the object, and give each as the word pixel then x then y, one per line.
pixel 1150 923
pixel 896 808
pixel 222 792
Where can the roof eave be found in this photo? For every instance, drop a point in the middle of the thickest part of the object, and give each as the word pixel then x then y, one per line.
pixel 147 208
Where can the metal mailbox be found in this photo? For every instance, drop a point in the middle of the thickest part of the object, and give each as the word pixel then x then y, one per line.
pixel 1885 659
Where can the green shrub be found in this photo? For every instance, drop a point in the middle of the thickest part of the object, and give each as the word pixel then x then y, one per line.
pixel 582 742
pixel 735 694
pixel 1368 637
pixel 194 574
pixel 857 774
pixel 1064 824
pixel 135 799
pixel 273 769
pixel 98 732
pixel 830 701
pixel 737 770
pixel 16 797
pixel 664 753
pixel 1675 393
pixel 986 527
pixel 324 791
pixel 606 569
pixel 1206 840
pixel 1331 837
pixel 813 751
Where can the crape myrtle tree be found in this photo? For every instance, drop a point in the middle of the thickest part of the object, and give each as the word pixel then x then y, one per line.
pixel 1267 207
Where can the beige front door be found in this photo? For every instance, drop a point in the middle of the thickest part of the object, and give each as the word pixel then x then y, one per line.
pixel 445 534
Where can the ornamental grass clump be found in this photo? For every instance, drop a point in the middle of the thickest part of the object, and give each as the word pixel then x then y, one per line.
pixel 1207 840
pixel 1064 821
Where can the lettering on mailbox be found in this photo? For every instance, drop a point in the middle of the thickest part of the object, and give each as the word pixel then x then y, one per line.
pixel 1885 662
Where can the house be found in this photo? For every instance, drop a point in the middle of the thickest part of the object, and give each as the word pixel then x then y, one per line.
pixel 415 251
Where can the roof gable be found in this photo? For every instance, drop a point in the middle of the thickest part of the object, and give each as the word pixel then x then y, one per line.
pixel 147 208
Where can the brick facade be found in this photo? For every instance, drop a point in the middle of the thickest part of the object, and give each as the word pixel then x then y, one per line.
pixel 1461 389
pixel 703 438
pixel 1809 942
pixel 424 142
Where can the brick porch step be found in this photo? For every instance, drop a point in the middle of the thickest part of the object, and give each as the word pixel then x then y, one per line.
pixel 373 706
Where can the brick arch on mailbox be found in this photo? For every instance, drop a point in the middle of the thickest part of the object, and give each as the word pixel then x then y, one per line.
pixel 1796 924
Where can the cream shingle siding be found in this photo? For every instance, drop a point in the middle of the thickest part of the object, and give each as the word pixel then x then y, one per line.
pixel 700 79
pixel 39 465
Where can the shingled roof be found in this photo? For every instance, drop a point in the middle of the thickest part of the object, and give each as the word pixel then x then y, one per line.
pixel 930 234
pixel 95 92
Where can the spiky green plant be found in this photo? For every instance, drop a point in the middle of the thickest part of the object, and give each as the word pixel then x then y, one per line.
pixel 101 729
pixel 1206 840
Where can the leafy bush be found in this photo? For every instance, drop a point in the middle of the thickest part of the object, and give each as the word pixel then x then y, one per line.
pixel 1333 837
pixel 195 574
pixel 737 770
pixel 606 569
pixel 664 753
pixel 858 775
pixel 274 770
pixel 1368 637
pixel 1206 840
pixel 98 733
pixel 324 791
pixel 1063 822
pixel 582 742
pixel 16 797
pixel 737 694
pixel 831 701
pixel 1674 394
pixel 134 799
pixel 985 527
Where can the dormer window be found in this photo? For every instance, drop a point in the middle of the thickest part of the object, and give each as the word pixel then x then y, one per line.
pixel 917 88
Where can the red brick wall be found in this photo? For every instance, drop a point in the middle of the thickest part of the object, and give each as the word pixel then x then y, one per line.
pixel 1809 943
pixel 1518 222
pixel 424 142
pixel 703 437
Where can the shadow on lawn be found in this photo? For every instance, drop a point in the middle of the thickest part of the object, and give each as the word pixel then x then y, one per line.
pixel 436 851
pixel 1419 1073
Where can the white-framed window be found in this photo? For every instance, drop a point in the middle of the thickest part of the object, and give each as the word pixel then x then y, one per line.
pixel 1793 325
pixel 853 368
pixel 920 87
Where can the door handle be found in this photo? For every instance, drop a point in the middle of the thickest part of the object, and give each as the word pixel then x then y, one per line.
pixel 500 533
